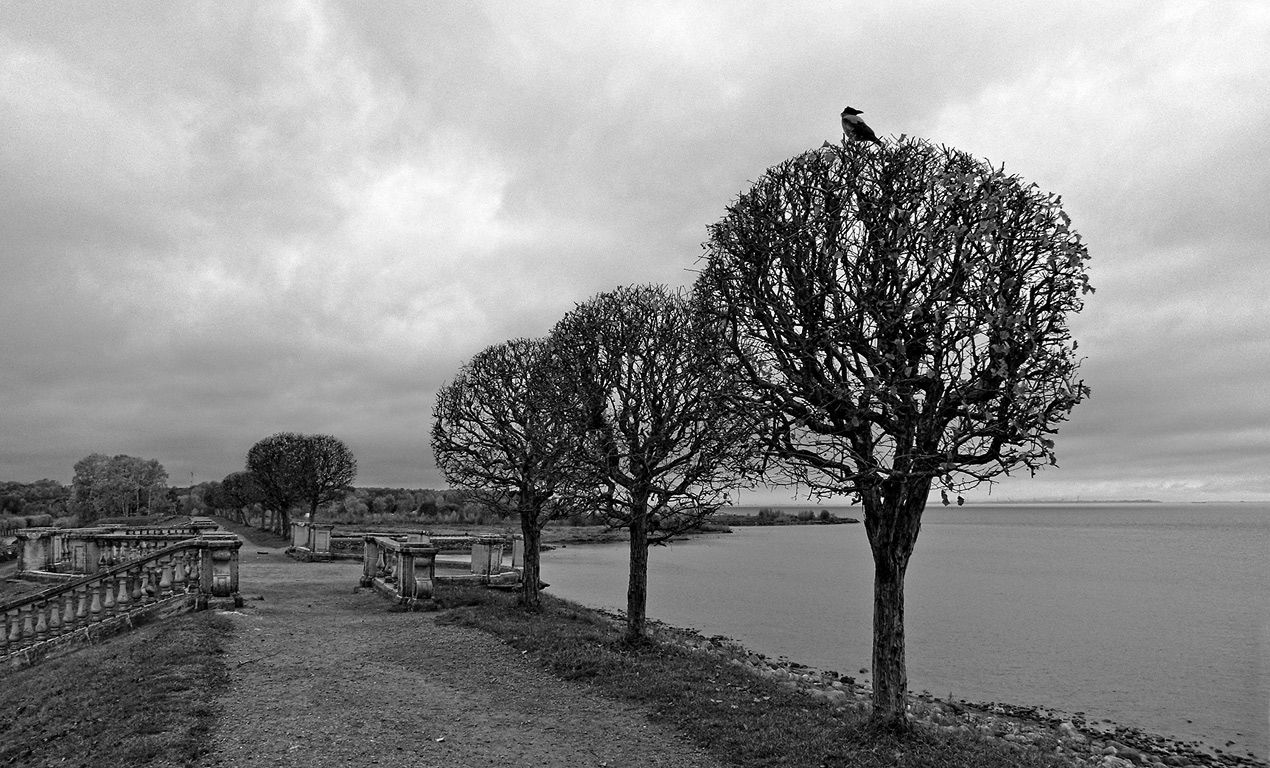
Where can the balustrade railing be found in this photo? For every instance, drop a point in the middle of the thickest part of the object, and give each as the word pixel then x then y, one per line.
pixel 406 570
pixel 402 571
pixel 188 575
pixel 61 554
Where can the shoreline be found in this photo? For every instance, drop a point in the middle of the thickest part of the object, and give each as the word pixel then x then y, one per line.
pixel 1095 742
pixel 1089 743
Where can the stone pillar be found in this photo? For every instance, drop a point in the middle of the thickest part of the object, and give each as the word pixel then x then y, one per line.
pixel 487 555
pixel 218 576
pixel 518 553
pixel 37 549
pixel 320 538
pixel 370 561
pixel 85 555
pixel 299 534
pixel 415 572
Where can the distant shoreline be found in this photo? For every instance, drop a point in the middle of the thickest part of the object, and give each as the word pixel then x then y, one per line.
pixel 1002 502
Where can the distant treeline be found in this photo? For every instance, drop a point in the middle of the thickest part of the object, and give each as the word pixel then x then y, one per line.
pixel 369 506
pixel 26 505
pixel 772 516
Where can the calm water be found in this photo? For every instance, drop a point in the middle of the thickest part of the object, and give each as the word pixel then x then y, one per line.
pixel 1152 615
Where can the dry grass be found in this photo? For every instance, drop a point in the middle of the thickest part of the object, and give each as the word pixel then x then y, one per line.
pixel 742 719
pixel 146 698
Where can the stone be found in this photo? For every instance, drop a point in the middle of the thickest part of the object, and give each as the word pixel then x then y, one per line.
pixel 1130 754
pixel 1070 732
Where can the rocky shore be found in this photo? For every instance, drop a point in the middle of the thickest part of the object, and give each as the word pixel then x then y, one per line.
pixel 1082 742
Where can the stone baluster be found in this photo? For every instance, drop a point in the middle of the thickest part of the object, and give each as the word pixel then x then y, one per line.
pixel 191 570
pixel 165 577
pixel 41 621
pixel 137 581
pixel 68 609
pixel 95 610
pixel 81 611
pixel 149 583
pixel 179 580
pixel 5 621
pixel 28 622
pixel 124 597
pixel 108 596
pixel 54 610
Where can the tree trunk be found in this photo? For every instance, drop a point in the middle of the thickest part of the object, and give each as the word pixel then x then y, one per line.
pixel 890 672
pixel 637 586
pixel 530 584
pixel 892 520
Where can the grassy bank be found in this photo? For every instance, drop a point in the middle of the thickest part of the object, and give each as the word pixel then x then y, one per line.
pixel 743 719
pixel 147 697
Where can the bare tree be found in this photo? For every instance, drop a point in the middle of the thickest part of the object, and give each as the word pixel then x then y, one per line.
pixel 326 470
pixel 290 468
pixel 901 311
pixel 663 436
pixel 498 431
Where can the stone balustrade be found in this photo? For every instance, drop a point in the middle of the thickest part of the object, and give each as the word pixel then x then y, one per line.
pixel 404 567
pixel 312 541
pixel 62 554
pixel 402 571
pixel 190 575
pixel 319 541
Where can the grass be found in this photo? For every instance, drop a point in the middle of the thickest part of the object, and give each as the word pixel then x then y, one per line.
pixel 147 697
pixel 742 719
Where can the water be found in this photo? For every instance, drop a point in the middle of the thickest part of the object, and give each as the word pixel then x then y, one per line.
pixel 1150 615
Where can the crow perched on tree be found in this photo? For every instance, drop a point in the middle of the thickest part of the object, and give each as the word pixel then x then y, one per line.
pixel 854 128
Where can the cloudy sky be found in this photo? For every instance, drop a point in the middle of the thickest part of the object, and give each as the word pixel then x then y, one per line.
pixel 224 220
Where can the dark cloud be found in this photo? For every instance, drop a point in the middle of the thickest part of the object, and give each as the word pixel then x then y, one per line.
pixel 224 221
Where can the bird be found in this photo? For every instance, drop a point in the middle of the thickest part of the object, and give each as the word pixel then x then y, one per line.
pixel 854 128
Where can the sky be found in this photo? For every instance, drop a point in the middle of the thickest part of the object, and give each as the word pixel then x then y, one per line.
pixel 223 220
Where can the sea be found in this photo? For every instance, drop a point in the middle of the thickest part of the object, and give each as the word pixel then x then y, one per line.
pixel 1151 615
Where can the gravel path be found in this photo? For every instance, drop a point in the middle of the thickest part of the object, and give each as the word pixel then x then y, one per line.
pixel 323 675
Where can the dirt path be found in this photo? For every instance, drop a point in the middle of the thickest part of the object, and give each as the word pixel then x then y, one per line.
pixel 326 676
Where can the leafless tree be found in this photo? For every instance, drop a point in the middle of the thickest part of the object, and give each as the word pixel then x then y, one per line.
pixel 499 432
pixel 290 468
pixel 901 311
pixel 663 435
